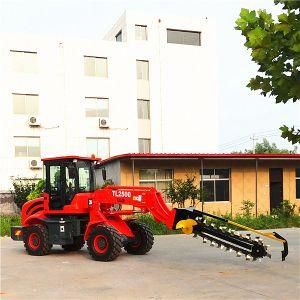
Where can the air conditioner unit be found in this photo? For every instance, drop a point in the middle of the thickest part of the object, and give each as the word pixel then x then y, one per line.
pixel 103 123
pixel 35 163
pixel 34 121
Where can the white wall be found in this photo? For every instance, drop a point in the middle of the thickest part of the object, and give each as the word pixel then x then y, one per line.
pixel 182 83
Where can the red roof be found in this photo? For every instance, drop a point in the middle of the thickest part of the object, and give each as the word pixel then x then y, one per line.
pixel 72 157
pixel 199 156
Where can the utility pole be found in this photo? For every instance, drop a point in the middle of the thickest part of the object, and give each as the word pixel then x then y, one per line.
pixel 253 140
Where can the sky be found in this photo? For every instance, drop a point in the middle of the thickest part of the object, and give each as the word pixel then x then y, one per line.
pixel 242 113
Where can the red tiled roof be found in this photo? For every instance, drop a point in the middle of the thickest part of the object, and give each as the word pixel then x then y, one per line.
pixel 199 156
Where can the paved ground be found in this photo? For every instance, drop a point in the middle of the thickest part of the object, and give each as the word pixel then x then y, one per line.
pixel 178 267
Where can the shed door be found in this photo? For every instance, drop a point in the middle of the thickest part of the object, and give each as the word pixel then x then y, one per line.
pixel 276 187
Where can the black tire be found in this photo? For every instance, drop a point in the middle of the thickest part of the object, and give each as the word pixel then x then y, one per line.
pixel 36 240
pixel 77 245
pixel 143 240
pixel 104 243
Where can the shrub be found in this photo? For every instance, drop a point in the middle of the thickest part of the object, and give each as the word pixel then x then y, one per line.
pixel 38 190
pixel 247 207
pixel 21 189
pixel 157 228
pixel 286 210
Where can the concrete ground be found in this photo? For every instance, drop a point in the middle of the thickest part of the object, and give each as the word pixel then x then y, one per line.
pixel 178 267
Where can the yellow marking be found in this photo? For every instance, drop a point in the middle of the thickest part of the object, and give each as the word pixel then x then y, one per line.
pixel 266 234
pixel 186 225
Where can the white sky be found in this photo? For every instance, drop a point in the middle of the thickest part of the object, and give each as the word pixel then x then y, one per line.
pixel 241 111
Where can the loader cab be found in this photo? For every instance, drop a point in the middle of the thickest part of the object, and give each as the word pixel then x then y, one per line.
pixel 66 177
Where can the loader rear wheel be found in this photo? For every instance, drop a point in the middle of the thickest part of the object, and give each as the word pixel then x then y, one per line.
pixel 36 240
pixel 77 244
pixel 143 240
pixel 104 243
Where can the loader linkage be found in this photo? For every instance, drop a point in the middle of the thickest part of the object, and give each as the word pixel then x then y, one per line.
pixel 226 238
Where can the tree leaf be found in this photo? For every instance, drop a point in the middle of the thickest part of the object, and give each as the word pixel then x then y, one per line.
pixel 285 28
pixel 256 36
pixel 296 47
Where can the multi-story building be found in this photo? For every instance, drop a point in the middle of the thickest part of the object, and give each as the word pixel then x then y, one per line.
pixel 148 86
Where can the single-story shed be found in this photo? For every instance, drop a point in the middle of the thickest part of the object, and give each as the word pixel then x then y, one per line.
pixel 227 179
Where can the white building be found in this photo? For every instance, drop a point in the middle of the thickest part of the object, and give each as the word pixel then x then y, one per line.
pixel 150 84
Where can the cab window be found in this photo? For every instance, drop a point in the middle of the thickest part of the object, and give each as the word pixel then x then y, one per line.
pixel 85 179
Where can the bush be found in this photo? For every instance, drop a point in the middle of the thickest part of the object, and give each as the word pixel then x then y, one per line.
pixel 157 228
pixel 6 222
pixel 21 189
pixel 286 210
pixel 247 207
pixel 38 190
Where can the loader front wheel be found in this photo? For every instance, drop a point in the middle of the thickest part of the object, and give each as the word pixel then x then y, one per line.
pixel 36 240
pixel 104 243
pixel 143 240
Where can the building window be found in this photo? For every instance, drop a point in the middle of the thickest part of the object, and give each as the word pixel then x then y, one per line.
pixel 141 32
pixel 144 145
pixel 216 184
pixel 27 146
pixel 96 107
pixel 143 109
pixel 142 69
pixel 119 36
pixel 24 61
pixel 158 178
pixel 24 104
pixel 95 66
pixel 98 146
pixel 298 183
pixel 184 37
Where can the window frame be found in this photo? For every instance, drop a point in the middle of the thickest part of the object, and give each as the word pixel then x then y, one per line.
pixel 214 183
pixel 155 180
pixel 95 57
pixel 27 152
pixel 148 108
pixel 139 35
pixel 25 113
pixel 184 31
pixel 97 138
pixel 23 70
pixel 96 99
pixel 144 139
pixel 148 69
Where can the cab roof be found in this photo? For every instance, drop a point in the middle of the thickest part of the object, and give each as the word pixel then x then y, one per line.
pixel 71 157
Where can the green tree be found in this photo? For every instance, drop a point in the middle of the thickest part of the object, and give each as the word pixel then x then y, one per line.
pixel 266 147
pixel 275 47
pixel 180 190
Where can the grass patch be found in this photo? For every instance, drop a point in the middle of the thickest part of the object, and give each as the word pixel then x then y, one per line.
pixel 157 228
pixel 6 222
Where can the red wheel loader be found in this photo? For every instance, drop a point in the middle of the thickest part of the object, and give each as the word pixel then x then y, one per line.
pixel 72 211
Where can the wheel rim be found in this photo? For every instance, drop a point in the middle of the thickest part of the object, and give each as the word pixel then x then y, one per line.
pixel 34 241
pixel 101 243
